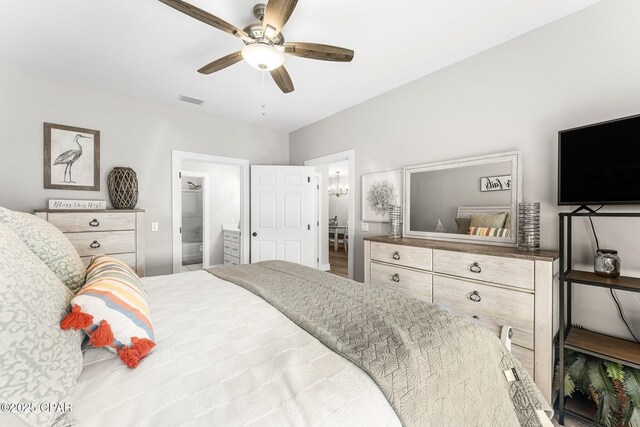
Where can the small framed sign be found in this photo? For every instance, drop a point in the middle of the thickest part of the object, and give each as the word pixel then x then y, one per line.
pixel 62 204
pixel 495 183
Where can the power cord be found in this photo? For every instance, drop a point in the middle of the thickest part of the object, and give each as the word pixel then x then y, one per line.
pixel 622 315
pixel 615 299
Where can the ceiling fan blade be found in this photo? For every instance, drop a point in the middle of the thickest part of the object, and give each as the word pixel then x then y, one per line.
pixel 221 63
pixel 282 79
pixel 276 16
pixel 207 18
pixel 322 52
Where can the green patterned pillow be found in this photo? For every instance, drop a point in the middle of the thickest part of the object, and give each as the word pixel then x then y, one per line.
pixel 49 244
pixel 488 221
pixel 40 362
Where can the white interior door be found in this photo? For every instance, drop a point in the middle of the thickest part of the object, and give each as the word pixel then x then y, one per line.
pixel 281 214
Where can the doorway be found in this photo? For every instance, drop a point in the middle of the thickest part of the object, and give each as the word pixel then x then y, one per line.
pixel 209 213
pixel 336 212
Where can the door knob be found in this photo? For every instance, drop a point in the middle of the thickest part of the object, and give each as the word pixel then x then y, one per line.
pixel 254 234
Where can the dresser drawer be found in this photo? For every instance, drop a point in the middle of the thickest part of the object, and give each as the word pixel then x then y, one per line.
pixel 506 271
pixel 231 237
pixel 107 242
pixel 232 249
pixel 524 356
pixel 409 256
pixel 129 259
pixel 491 306
pixel 231 260
pixel 413 283
pixel 93 221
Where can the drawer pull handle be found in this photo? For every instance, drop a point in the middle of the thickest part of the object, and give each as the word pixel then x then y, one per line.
pixel 475 268
pixel 475 296
pixel 94 223
pixel 395 278
pixel 396 256
pixel 95 244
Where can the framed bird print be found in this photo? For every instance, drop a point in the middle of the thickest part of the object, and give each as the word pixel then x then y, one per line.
pixel 71 158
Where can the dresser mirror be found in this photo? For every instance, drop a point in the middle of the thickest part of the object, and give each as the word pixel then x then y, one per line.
pixel 469 200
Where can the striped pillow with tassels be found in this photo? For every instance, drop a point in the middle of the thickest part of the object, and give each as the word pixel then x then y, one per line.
pixel 113 311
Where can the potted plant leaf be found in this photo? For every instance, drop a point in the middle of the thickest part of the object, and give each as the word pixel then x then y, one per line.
pixel 613 388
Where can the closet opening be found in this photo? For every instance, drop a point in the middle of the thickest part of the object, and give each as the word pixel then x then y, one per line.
pixel 210 211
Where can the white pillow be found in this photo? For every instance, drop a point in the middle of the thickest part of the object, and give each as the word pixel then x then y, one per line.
pixel 49 244
pixel 40 363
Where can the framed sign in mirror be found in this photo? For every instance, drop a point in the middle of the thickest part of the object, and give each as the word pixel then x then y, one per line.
pixel 473 199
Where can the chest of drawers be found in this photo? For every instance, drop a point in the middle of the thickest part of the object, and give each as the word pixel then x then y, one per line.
pixel 117 233
pixel 494 286
pixel 231 247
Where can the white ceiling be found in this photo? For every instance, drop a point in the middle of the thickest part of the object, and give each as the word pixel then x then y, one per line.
pixel 146 49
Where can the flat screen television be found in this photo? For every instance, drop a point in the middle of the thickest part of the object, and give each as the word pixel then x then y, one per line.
pixel 599 164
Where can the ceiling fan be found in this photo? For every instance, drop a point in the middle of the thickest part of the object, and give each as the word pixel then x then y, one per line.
pixel 264 42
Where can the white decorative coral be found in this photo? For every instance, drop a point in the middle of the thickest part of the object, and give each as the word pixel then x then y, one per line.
pixel 380 196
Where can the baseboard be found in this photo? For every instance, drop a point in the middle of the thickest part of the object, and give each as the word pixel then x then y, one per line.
pixel 215 266
pixel 324 267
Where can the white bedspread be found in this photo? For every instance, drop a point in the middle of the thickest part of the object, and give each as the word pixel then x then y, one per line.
pixel 225 357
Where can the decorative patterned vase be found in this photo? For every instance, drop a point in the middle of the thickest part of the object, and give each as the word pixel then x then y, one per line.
pixel 123 188
pixel 529 231
pixel 395 221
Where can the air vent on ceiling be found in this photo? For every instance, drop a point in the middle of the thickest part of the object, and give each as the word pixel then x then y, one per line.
pixel 190 100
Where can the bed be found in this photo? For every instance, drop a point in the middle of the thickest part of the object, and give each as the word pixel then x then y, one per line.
pixel 235 354
pixel 226 357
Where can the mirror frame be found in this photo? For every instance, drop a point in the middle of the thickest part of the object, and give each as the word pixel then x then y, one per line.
pixel 515 157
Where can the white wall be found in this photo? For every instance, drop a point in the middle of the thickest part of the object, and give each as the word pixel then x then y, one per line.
pixel 134 133
pixel 224 202
pixel 582 69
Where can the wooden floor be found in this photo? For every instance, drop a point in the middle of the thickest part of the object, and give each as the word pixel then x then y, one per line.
pixel 339 261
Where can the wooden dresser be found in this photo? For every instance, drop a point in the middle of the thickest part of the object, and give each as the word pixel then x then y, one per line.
pixel 494 285
pixel 118 233
pixel 232 244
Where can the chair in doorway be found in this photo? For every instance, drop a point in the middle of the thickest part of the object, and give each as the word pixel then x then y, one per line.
pixel 339 236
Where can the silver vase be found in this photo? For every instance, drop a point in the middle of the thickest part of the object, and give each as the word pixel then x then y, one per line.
pixel 529 231
pixel 395 221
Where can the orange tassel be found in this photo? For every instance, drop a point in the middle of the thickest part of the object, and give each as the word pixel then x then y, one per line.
pixel 102 335
pixel 130 356
pixel 143 345
pixel 76 319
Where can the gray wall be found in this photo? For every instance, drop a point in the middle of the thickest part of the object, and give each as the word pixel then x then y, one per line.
pixel 581 69
pixel 134 133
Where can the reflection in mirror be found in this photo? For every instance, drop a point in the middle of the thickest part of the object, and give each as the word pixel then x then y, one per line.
pixel 467 199
pixel 470 200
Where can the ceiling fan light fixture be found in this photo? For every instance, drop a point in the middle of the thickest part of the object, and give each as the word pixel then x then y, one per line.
pixel 263 56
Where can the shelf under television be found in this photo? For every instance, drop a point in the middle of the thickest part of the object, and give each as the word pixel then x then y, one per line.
pixel 604 347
